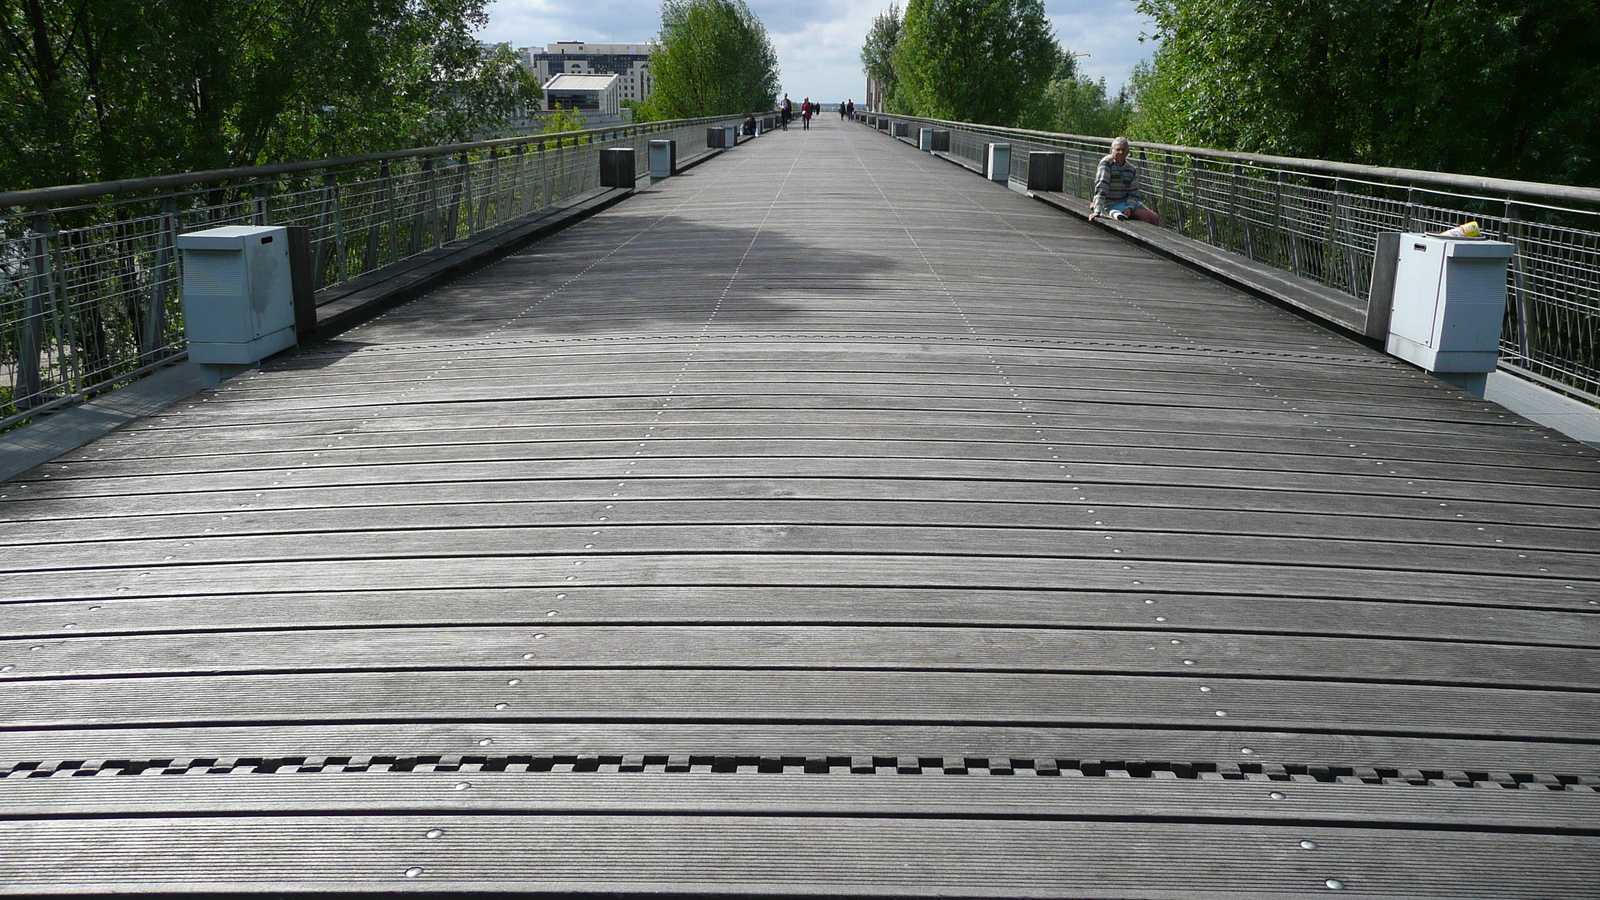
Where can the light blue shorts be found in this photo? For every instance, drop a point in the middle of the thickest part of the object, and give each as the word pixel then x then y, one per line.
pixel 1124 206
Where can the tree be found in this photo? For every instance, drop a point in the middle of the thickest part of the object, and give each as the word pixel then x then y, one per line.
pixel 982 61
pixel 1509 88
pixel 104 89
pixel 877 53
pixel 711 58
pixel 1074 103
pixel 560 119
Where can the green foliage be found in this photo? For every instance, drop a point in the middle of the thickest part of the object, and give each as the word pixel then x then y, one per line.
pixel 713 57
pixel 1508 88
pixel 877 52
pixel 641 110
pixel 981 61
pixel 560 119
pixel 1076 104
pixel 106 89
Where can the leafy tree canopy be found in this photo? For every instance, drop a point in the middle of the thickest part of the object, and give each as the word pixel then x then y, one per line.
pixel 106 89
pixel 1074 103
pixel 1507 88
pixel 713 57
pixel 981 61
pixel 877 52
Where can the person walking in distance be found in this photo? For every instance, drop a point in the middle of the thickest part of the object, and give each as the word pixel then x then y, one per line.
pixel 785 112
pixel 807 108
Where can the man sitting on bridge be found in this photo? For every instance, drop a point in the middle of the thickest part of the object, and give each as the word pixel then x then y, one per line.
pixel 1116 188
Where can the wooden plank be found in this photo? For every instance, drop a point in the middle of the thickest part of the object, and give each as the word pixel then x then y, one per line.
pixel 1174 614
pixel 599 488
pixel 859 697
pixel 812 646
pixel 814 569
pixel 353 519
pixel 1090 542
pixel 1265 458
pixel 655 465
pixel 765 855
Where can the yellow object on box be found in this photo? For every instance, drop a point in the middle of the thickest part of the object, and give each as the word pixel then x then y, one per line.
pixel 1469 230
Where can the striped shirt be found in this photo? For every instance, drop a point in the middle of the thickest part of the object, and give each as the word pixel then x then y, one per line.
pixel 1113 184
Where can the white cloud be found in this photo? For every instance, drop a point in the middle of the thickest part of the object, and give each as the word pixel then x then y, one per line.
pixel 819 41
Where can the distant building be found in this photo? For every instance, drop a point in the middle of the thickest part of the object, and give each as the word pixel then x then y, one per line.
pixel 874 100
pixel 629 62
pixel 590 95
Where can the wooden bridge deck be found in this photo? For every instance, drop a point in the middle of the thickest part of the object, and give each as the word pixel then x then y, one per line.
pixel 824 521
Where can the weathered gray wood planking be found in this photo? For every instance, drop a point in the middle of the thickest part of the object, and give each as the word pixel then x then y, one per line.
pixel 748 537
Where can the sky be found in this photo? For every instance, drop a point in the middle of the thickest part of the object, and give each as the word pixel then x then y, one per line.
pixel 818 41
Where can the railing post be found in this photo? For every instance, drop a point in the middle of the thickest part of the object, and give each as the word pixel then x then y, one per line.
pixel 1328 240
pixel 331 226
pixel 262 212
pixel 1517 296
pixel 388 198
pixel 155 321
pixel 1358 287
pixel 424 213
pixel 1295 251
pixel 1233 206
pixel 519 178
pixel 30 339
pixel 491 193
pixel 461 197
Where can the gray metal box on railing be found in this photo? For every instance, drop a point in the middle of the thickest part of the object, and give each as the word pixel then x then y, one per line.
pixel 925 139
pixel 663 159
pixel 238 298
pixel 617 167
pixel 997 162
pixel 1046 170
pixel 1449 303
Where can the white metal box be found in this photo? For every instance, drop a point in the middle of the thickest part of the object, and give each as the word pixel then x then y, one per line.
pixel 997 163
pixel 1449 302
pixel 238 301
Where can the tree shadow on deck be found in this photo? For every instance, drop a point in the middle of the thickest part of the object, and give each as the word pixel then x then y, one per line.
pixel 636 273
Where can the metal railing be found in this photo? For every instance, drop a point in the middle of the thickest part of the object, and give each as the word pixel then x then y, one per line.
pixel 1320 220
pixel 89 274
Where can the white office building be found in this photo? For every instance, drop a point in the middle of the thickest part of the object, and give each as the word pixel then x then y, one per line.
pixel 629 62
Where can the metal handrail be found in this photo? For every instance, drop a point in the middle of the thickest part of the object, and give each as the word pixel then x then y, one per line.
pixel 1446 181
pixel 90 274
pixel 1320 220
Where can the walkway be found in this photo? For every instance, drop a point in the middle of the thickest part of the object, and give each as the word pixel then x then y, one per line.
pixel 823 521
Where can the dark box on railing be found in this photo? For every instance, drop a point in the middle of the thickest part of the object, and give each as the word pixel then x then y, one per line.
pixel 883 124
pixel 716 138
pixel 617 167
pixel 1046 170
pixel 941 141
pixel 902 129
